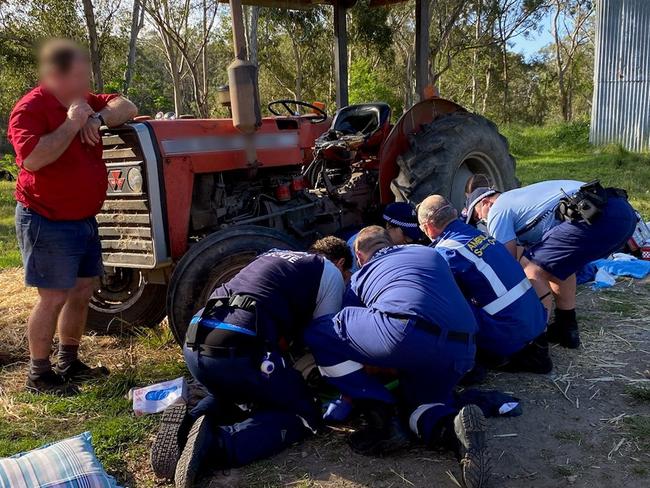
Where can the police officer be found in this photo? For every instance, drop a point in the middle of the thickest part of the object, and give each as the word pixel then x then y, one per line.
pixel 563 225
pixel 409 316
pixel 510 317
pixel 232 347
pixel 400 222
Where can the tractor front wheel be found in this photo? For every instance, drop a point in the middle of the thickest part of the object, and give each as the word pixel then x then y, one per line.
pixel 124 301
pixel 446 152
pixel 213 261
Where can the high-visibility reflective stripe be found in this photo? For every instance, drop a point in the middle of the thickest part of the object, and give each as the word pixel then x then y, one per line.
pixel 306 424
pixel 484 268
pixel 510 297
pixel 217 324
pixel 417 413
pixel 341 369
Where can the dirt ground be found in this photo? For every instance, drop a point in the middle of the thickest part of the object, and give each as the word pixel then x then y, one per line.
pixel 585 425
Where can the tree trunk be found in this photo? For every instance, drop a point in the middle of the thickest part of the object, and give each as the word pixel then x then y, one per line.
pixel 252 40
pixel 137 20
pixel 488 86
pixel 506 82
pixel 475 55
pixel 95 55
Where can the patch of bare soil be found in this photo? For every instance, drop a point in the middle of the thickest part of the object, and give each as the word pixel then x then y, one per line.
pixel 577 430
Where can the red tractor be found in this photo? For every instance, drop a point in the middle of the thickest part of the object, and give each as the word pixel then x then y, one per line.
pixel 190 202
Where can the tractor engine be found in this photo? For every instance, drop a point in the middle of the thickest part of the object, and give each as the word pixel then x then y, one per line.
pixel 326 196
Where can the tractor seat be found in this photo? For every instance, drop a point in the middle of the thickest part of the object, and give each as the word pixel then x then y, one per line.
pixel 367 118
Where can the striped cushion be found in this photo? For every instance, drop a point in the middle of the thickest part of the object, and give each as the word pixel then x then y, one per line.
pixel 70 463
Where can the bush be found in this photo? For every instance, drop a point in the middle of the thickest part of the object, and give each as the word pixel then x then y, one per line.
pixel 8 167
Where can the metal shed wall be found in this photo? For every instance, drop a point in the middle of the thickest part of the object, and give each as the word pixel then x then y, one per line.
pixel 621 102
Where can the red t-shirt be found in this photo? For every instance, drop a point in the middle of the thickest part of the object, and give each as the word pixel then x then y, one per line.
pixel 74 186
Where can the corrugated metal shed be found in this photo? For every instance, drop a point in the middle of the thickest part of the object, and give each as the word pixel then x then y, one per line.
pixel 621 103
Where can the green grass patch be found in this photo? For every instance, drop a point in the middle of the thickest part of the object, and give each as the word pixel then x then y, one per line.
pixel 9 253
pixel 639 427
pixel 101 408
pixel 563 152
pixel 640 393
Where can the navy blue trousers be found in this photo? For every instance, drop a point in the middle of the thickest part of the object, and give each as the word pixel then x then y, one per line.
pixel 283 410
pixel 429 365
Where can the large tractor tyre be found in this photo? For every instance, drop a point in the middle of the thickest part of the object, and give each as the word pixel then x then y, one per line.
pixel 125 301
pixel 213 261
pixel 446 152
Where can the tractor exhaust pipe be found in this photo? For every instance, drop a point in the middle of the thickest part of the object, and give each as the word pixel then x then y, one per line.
pixel 244 90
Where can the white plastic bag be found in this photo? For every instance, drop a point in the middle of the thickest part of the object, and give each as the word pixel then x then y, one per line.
pixel 603 279
pixel 156 398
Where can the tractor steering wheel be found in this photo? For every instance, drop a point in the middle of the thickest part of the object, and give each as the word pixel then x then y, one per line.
pixel 321 114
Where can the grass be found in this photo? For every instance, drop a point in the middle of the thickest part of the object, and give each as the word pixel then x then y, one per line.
pixel 120 438
pixel 563 152
pixel 9 254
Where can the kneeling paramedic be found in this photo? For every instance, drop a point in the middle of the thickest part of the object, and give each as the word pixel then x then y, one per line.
pixel 232 347
pixel 563 225
pixel 511 319
pixel 410 316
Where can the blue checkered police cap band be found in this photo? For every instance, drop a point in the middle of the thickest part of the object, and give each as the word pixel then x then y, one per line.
pixel 401 214
pixel 475 198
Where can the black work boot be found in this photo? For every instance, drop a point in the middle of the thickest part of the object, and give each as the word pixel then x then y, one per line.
pixel 170 441
pixel 78 371
pixel 50 383
pixel 534 358
pixel 471 430
pixel 564 329
pixel 383 433
pixel 200 444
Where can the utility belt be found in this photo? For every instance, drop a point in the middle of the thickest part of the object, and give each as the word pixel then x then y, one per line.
pixel 452 335
pixel 215 338
pixel 586 205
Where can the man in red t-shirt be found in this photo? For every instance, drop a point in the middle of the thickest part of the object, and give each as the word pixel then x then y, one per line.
pixel 61 186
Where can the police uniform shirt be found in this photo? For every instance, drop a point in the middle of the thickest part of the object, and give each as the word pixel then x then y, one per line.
pixel 291 288
pixel 412 281
pixel 516 209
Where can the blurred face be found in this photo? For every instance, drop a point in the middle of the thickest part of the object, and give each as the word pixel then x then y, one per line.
pixel 70 86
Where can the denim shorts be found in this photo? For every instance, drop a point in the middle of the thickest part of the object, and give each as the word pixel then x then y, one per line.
pixel 56 253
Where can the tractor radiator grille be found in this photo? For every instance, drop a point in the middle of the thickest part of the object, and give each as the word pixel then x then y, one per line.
pixel 125 223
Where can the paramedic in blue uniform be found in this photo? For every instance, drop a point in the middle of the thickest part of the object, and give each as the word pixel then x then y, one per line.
pixel 233 348
pixel 402 226
pixel 511 319
pixel 409 316
pixel 557 236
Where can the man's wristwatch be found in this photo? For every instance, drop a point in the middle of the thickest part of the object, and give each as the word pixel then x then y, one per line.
pixel 99 117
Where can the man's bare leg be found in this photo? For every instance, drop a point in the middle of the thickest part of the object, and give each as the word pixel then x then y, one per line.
pixel 40 333
pixel 42 322
pixel 71 326
pixel 564 291
pixel 540 281
pixel 72 320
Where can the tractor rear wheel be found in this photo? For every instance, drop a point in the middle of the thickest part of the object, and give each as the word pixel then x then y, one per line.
pixel 211 262
pixel 446 152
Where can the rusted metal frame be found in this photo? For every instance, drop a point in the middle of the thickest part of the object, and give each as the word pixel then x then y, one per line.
pixel 422 23
pixel 341 56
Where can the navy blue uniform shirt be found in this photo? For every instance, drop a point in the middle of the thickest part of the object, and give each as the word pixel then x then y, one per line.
pixel 413 281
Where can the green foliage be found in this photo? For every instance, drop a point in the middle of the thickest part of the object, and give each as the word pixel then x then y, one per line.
pixel 366 85
pixel 9 253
